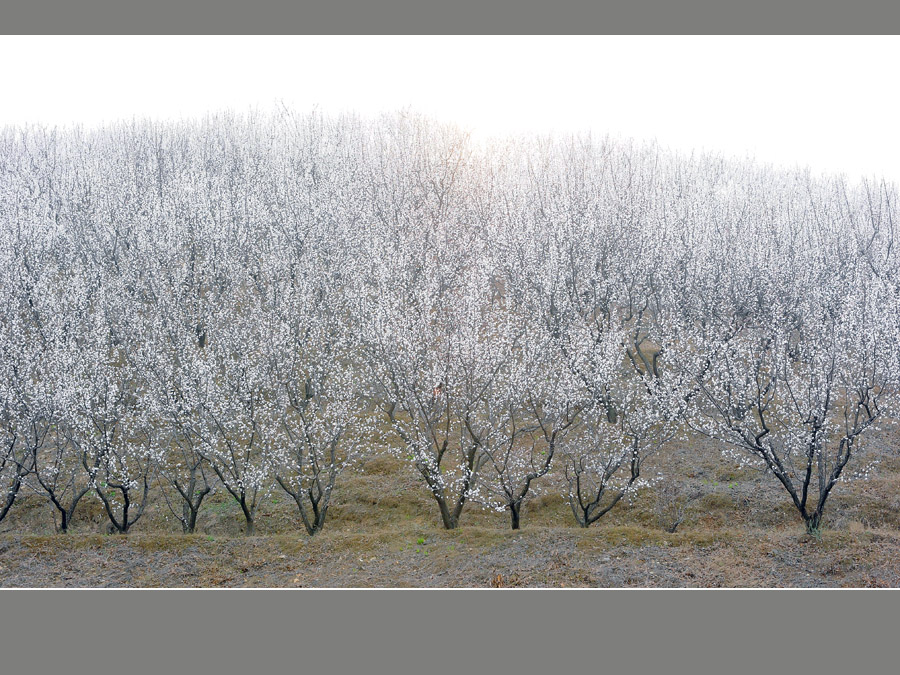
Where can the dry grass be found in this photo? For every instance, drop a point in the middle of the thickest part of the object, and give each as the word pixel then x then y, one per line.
pixel 383 530
pixel 475 556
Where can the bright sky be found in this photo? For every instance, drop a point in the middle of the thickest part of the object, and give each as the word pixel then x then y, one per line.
pixel 826 102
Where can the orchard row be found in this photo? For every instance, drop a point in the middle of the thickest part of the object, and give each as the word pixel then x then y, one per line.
pixel 243 303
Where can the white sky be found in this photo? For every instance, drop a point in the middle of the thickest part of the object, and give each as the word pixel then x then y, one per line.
pixel 826 102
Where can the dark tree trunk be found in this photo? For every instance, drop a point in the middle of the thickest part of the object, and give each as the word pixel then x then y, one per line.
pixel 189 518
pixel 249 515
pixel 190 509
pixel 514 510
pixel 318 500
pixel 123 525
pixel 813 522
pixel 449 520
pixel 10 500
pixel 66 514
pixel 13 490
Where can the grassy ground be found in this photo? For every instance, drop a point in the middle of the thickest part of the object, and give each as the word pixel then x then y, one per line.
pixel 475 556
pixel 383 530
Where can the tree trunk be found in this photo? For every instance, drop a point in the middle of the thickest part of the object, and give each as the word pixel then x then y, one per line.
pixel 248 516
pixel 67 514
pixel 514 510
pixel 449 521
pixel 319 520
pixel 10 497
pixel 189 522
pixel 813 522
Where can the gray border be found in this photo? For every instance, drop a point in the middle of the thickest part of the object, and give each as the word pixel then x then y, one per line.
pixel 433 631
pixel 450 16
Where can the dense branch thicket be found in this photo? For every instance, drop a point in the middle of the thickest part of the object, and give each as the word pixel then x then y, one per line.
pixel 256 303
